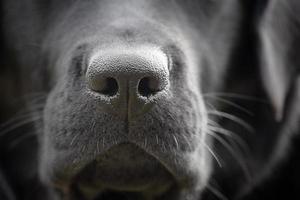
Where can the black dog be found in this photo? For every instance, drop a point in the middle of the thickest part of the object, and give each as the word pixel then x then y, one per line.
pixel 154 100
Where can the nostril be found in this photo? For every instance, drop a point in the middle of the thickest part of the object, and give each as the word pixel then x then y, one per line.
pixel 111 87
pixel 148 86
pixel 104 85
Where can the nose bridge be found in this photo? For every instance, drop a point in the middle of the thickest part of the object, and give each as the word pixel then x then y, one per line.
pixel 131 77
pixel 129 65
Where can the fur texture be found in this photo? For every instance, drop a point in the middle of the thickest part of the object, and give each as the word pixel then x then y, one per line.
pixel 220 128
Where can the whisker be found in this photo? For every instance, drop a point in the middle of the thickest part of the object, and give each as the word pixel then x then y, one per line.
pixel 145 142
pixel 232 118
pixel 163 146
pixel 176 142
pixel 19 117
pixel 187 141
pixel 28 97
pixel 210 105
pixel 23 137
pixel 213 123
pixel 233 153
pixel 24 113
pixel 232 135
pixel 213 154
pixel 37 106
pixel 236 96
pixel 98 149
pixel 15 119
pixel 73 139
pixel 83 148
pixel 156 136
pixel 216 192
pixel 20 124
pixel 232 104
pixel 103 142
pixel 35 99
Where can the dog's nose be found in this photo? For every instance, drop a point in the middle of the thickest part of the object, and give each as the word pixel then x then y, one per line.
pixel 130 77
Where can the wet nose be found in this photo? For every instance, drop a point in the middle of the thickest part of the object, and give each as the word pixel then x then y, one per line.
pixel 129 78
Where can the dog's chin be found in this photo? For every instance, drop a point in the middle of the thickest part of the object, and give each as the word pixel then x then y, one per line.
pixel 123 170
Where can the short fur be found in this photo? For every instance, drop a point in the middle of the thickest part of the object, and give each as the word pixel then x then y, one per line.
pixel 222 128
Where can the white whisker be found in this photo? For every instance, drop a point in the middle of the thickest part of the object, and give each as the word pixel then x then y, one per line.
pixel 235 95
pixel 234 153
pixel 98 149
pixel 213 154
pixel 232 135
pixel 216 192
pixel 156 136
pixel 232 118
pixel 15 119
pixel 103 142
pixel 21 123
pixel 187 141
pixel 176 142
pixel 73 139
pixel 220 99
pixel 21 138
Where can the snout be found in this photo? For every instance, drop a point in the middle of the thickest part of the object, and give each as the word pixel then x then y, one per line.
pixel 128 123
pixel 129 79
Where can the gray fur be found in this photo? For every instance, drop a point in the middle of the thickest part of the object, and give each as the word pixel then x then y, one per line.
pixel 180 144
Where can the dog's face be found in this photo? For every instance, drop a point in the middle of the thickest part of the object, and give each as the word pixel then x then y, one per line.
pixel 148 99
pixel 126 110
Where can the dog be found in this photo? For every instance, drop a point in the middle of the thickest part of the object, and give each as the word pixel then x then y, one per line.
pixel 149 100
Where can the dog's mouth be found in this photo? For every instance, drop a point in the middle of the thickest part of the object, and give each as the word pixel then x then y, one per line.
pixel 123 172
